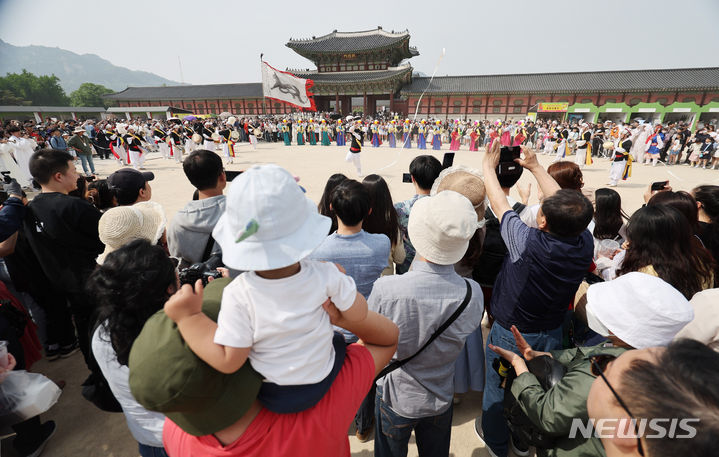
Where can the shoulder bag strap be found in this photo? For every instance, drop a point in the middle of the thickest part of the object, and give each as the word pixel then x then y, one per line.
pixel 208 248
pixel 398 363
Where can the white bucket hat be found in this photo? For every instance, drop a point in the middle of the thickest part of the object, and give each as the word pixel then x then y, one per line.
pixel 640 309
pixel 122 224
pixel 268 221
pixel 441 226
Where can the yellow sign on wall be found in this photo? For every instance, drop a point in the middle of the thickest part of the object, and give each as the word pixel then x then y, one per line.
pixel 557 107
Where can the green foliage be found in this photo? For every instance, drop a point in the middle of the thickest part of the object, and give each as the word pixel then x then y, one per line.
pixel 89 94
pixel 37 90
pixel 8 98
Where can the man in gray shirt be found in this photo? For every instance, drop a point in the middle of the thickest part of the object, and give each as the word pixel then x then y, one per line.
pixel 418 395
pixel 190 231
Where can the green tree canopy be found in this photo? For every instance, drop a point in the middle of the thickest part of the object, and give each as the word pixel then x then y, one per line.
pixel 90 94
pixel 38 90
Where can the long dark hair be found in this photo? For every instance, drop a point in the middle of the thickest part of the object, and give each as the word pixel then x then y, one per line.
pixel 324 206
pixel 383 218
pixel 661 236
pixel 608 214
pixel 129 287
pixel 681 201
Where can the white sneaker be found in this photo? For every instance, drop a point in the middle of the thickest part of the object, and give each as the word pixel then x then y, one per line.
pixel 518 452
pixel 480 434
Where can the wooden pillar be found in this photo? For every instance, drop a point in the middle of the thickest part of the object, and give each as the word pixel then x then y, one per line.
pixel 337 102
pixel 364 108
pixel 446 109
pixel 486 107
pixel 466 107
pixel 391 101
pixel 506 108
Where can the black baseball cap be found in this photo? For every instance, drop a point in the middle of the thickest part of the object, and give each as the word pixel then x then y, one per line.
pixel 129 179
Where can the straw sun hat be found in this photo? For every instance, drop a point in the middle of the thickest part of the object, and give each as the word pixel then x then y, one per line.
pixel 122 224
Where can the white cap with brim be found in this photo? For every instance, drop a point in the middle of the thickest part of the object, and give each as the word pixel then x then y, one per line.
pixel 441 226
pixel 640 309
pixel 268 221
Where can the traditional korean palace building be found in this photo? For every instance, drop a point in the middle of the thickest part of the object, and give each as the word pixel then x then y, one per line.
pixel 370 71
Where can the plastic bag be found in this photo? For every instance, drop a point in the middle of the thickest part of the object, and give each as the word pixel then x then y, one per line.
pixel 24 395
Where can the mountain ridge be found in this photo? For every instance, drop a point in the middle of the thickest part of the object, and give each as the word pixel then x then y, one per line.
pixel 74 69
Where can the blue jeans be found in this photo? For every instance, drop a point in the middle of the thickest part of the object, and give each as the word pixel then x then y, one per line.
pixel 392 432
pixel 86 160
pixel 494 426
pixel 149 451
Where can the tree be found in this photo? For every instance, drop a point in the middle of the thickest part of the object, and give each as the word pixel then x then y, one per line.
pixel 9 98
pixel 89 94
pixel 38 90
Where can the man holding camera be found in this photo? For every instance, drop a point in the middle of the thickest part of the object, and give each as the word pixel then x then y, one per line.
pixel 189 235
pixel 423 170
pixel 537 280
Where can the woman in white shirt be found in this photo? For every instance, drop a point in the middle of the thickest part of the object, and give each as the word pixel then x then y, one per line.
pixel 132 284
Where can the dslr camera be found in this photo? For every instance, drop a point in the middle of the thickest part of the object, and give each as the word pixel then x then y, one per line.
pixel 204 271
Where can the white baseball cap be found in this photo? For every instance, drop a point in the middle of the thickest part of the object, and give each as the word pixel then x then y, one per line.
pixel 640 309
pixel 268 221
pixel 441 226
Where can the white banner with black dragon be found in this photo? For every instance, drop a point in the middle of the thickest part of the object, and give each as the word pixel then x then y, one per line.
pixel 286 87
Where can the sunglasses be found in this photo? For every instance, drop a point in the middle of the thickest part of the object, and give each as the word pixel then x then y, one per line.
pixel 599 365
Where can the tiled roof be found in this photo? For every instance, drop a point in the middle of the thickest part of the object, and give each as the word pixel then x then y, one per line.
pixel 193 92
pixel 51 109
pixel 350 41
pixel 352 76
pixel 603 81
pixel 149 109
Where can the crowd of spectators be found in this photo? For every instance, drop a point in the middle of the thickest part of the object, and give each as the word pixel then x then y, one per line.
pixel 258 322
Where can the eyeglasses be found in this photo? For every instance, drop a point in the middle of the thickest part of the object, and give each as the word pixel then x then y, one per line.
pixel 599 365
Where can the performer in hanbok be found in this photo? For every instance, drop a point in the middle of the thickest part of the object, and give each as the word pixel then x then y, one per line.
pixel 621 159
pixel 24 148
pixel 421 138
pixel 340 136
pixel 407 135
pixel 454 142
pixel 639 141
pixel 229 136
pixel 654 145
pixel 325 133
pixel 311 133
pixel 286 133
pixel 437 136
pixel 473 136
pixel 300 132
pixel 159 135
pixel 519 134
pixel 562 137
pixel 192 138
pixel 118 146
pixel 584 145
pixel 7 163
pixel 102 143
pixel 374 128
pixel 357 138
pixel 207 141
pixel 135 151
pixel 392 134
pixel 177 142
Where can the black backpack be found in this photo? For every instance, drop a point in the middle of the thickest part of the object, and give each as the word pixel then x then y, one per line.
pixel 493 249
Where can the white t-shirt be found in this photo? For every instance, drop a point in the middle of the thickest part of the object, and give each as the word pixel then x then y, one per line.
pixel 282 320
pixel 145 426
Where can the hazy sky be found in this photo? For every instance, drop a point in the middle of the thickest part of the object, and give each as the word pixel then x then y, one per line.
pixel 219 41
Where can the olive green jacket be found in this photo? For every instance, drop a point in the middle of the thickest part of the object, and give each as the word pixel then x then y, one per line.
pixel 553 410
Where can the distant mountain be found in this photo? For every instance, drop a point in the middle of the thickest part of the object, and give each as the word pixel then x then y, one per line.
pixel 73 69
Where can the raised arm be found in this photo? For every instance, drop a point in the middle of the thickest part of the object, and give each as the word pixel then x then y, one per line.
pixel 546 183
pixel 497 199
pixel 198 330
